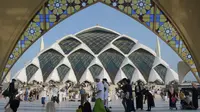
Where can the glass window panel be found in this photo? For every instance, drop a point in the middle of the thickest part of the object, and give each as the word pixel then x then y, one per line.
pixel 62 71
pixel 97 40
pixel 111 60
pixel 69 44
pixel 161 70
pixel 95 70
pixel 128 70
pixel 48 61
pixel 30 71
pixel 80 60
pixel 124 44
pixel 143 60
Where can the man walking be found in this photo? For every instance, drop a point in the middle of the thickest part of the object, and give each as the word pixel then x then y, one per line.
pixel 106 90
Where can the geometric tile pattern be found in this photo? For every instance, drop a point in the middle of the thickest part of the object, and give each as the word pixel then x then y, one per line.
pixel 144 11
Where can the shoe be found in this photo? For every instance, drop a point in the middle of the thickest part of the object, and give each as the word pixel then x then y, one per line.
pixel 148 110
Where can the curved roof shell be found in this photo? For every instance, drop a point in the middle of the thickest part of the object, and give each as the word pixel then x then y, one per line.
pixel 97 52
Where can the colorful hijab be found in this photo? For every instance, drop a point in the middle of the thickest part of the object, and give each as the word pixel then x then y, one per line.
pixel 99 106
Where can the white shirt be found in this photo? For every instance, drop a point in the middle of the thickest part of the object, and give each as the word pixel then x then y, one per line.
pixel 55 91
pixel 44 92
pixel 106 91
pixel 100 86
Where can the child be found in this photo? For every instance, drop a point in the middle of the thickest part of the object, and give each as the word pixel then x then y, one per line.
pixel 150 100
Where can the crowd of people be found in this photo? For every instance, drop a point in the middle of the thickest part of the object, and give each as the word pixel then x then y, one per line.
pixel 143 94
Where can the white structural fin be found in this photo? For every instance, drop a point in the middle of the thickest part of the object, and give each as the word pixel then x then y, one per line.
pixel 21 76
pixel 183 69
pixel 154 77
pixel 158 50
pixel 120 75
pixel 42 44
pixel 158 61
pixel 104 74
pixel 37 77
pixel 141 46
pixel 70 76
pixel 53 76
pixel 36 62
pixel 171 76
pixel 87 76
pixel 137 76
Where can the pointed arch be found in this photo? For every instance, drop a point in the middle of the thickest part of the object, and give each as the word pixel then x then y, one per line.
pixel 147 12
pixel 62 71
pixel 68 44
pixel 96 40
pixel 124 44
pixel 161 70
pixel 30 71
pixel 48 61
pixel 111 60
pixel 80 60
pixel 128 71
pixel 95 70
pixel 143 60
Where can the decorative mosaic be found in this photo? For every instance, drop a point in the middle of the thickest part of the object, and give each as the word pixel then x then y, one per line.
pixel 144 11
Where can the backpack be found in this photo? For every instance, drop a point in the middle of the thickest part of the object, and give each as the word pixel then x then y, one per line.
pixel 6 92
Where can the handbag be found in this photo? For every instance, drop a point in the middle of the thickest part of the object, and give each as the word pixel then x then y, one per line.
pixel 173 99
pixel 8 110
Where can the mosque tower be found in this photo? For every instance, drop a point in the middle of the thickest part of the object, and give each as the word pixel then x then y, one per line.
pixel 157 50
pixel 42 44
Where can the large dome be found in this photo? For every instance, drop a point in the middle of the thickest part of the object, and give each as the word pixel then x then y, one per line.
pixel 97 52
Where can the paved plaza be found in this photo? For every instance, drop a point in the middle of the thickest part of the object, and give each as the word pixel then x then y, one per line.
pixel 35 106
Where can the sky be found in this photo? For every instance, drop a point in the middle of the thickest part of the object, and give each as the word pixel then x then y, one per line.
pixel 106 17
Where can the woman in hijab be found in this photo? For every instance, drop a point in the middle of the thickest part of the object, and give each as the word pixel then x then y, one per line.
pixel 99 106
pixel 139 95
pixel 87 107
pixel 195 95
pixel 172 95
pixel 150 100
pixel 14 104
